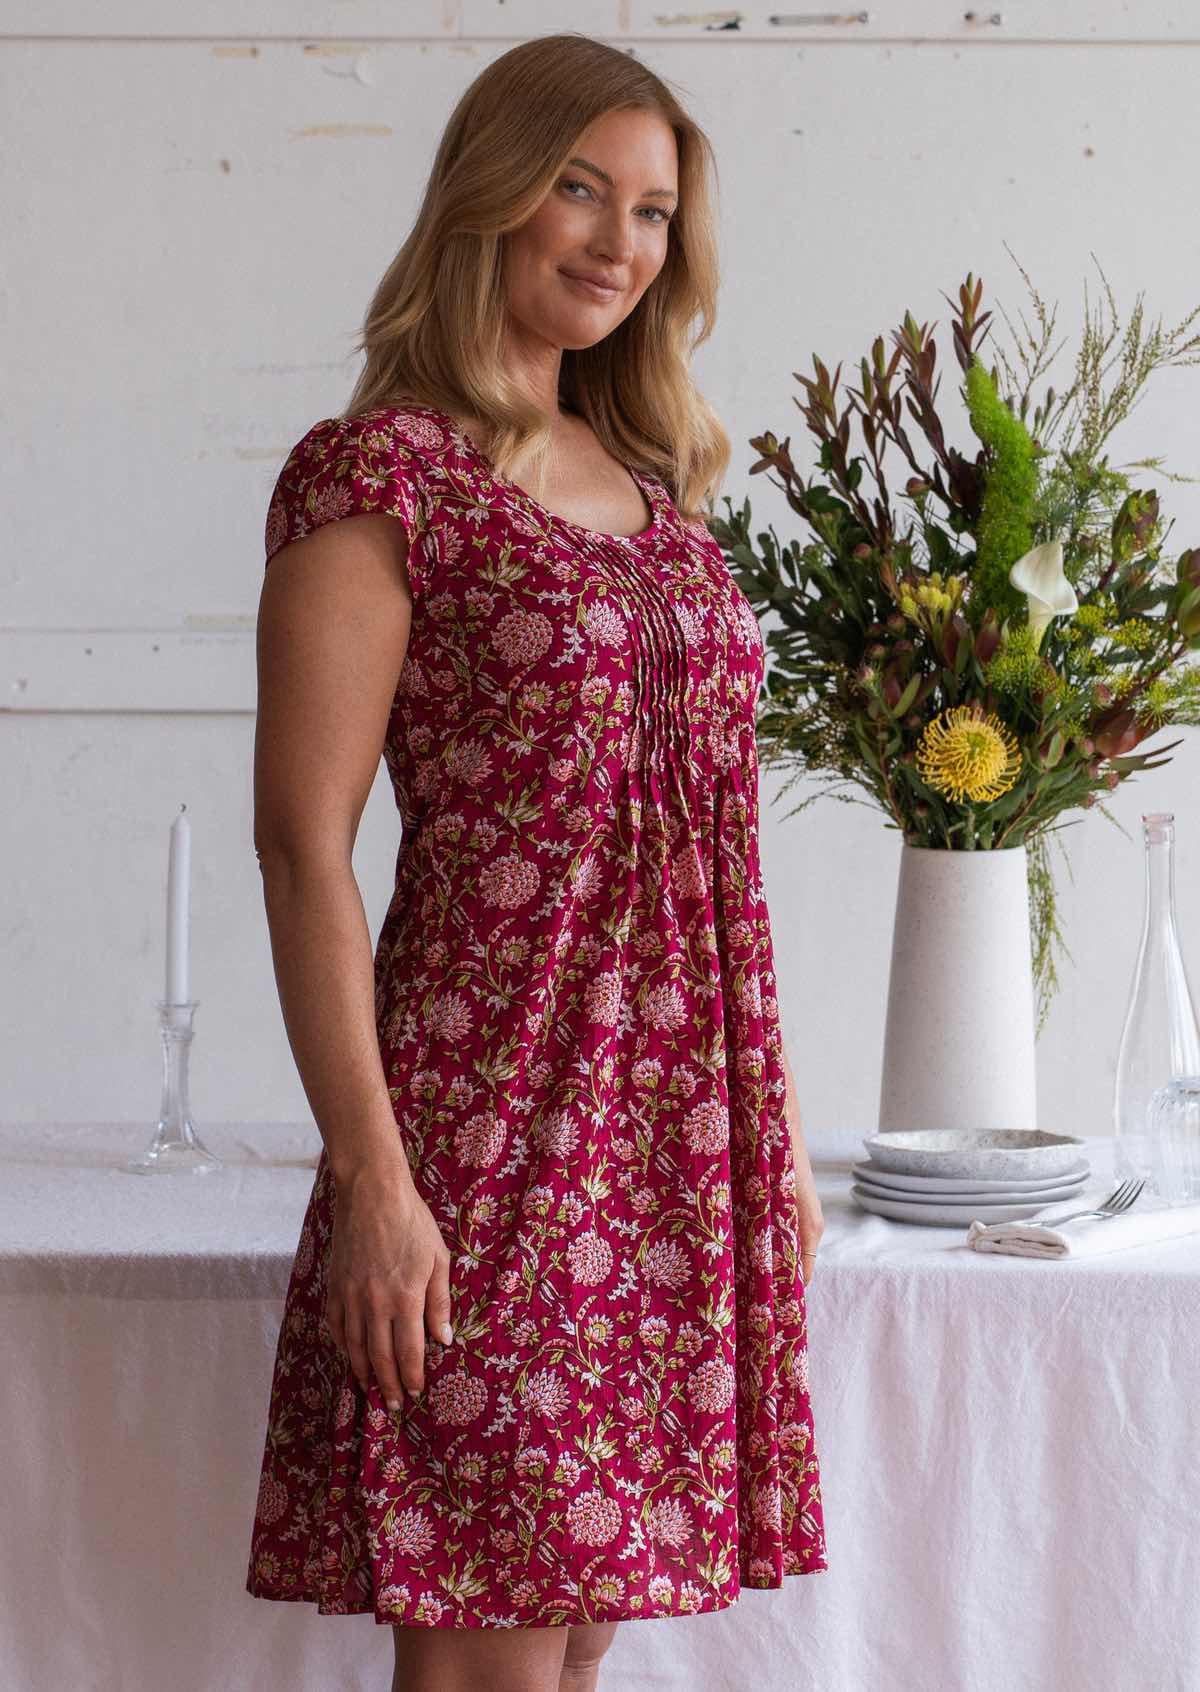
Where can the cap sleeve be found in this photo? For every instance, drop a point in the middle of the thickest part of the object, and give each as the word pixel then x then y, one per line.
pixel 343 467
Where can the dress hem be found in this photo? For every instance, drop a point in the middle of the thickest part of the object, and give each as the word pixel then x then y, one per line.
pixel 262 1589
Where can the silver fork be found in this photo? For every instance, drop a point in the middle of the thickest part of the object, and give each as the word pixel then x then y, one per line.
pixel 1117 1201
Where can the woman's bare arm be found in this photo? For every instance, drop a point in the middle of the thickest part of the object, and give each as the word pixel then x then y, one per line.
pixel 333 627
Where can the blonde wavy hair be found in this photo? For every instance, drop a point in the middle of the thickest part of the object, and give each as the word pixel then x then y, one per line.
pixel 433 332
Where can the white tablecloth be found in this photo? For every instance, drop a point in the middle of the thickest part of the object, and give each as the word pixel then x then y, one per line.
pixel 1008 1450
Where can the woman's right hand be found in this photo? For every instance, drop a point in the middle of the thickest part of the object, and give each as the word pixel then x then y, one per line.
pixel 389 1280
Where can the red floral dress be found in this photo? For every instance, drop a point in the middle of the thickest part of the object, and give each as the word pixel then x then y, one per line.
pixel 575 1005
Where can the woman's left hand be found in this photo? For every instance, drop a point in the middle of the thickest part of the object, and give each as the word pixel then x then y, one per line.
pixel 810 1221
pixel 808 1208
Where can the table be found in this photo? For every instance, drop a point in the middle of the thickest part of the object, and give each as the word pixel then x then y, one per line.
pixel 1007 1447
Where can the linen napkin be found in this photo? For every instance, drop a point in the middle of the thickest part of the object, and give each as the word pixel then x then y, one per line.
pixel 1148 1220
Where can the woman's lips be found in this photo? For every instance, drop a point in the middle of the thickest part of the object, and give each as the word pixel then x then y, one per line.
pixel 592 288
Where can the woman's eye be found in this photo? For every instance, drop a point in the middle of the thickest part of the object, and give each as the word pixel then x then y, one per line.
pixel 661 216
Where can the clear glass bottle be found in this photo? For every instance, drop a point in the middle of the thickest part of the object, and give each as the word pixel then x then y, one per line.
pixel 1161 1037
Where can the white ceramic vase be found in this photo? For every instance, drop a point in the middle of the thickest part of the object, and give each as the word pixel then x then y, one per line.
pixel 959 1043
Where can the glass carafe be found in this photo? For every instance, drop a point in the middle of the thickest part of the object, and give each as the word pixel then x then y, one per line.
pixel 1161 1038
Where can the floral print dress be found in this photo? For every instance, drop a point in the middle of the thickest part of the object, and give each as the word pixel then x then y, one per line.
pixel 576 1009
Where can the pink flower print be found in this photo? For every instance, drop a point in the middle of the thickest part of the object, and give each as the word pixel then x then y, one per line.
pixel 522 637
pixel 602 998
pixel 660 1591
pixel 604 624
pixel 568 1470
pixel 687 876
pixel 689 1340
pixel 794 1436
pixel 590 1258
pixel 712 1385
pixel 304 1252
pixel 765 1505
pixel 666 1264
pixel 458 1398
pixel 750 994
pixel 669 1523
pixel 666 1007
pixel 532 1460
pixel 410 1531
pixel 449 828
pixel 427 780
pixel 430 1610
pixel 562 769
pixel 277 526
pixel 480 1141
pixel 795 1368
pixel 470 762
pixel 609 1589
pixel 647 1072
pixel 643 1200
pixel 394 1597
pixel 556 1135
pixel 653 1330
pixel 418 429
pixel 272 1498
pixel 760 1570
pixel 344 1415
pixel 692 623
pixel 593 1519
pixel 691 1598
pixel 460 1092
pixel 594 691
pixel 760 1247
pixel 547 1394
pixel 750 1063
pixel 509 882
pixel 450 1018
pixel 706 1128
pixel 536 1201
pixel 588 878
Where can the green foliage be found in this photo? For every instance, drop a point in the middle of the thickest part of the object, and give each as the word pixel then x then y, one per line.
pixel 1004 531
pixel 887 614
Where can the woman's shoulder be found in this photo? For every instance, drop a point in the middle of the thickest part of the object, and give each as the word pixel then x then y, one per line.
pixel 379 460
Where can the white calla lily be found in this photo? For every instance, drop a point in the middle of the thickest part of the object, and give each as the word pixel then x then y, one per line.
pixel 1039 576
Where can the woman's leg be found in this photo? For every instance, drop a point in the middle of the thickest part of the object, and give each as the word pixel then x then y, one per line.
pixel 467 1659
pixel 586 1645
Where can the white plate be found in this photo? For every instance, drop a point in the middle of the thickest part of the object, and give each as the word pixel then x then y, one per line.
pixel 877 1175
pixel 947 1215
pixel 1003 1194
pixel 968 1154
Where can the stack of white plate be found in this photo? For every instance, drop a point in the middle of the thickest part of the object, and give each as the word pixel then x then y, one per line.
pixel 953 1176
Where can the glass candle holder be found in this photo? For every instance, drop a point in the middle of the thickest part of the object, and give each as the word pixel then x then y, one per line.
pixel 176 1145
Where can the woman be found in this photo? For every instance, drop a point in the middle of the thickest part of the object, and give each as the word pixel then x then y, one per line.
pixel 557 1115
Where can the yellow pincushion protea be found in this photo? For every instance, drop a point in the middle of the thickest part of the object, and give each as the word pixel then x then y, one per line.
pixel 964 754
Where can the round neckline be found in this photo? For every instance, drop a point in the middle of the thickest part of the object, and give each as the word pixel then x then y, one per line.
pixel 526 498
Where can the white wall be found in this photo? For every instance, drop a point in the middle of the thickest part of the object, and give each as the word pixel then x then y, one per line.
pixel 193 222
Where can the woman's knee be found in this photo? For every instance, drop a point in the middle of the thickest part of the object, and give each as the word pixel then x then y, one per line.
pixel 586 1645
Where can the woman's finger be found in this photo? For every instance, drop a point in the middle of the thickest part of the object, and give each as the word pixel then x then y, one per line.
pixel 437 1300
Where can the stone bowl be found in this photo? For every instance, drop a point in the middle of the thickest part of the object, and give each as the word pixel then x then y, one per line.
pixel 965 1152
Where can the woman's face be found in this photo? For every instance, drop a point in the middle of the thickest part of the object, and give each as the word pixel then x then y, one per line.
pixel 605 216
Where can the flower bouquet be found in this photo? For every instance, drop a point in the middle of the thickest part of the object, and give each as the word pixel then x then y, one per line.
pixel 988 660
